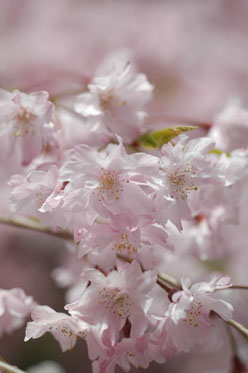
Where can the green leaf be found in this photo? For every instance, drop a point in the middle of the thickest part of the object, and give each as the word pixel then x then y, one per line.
pixel 158 138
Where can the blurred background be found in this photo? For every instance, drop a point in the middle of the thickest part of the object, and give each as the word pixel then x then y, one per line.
pixel 194 52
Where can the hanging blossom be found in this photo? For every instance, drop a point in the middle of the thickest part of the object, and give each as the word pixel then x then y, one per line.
pixel 116 97
pixel 123 294
pixel 41 194
pixel 15 307
pixel 65 329
pixel 185 167
pixel 129 351
pixel 108 181
pixel 135 237
pixel 25 123
pixel 188 317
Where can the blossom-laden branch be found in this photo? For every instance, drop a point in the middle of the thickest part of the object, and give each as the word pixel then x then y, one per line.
pixel 29 224
pixel 7 368
pixel 34 225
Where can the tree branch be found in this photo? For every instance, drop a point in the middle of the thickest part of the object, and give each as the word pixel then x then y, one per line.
pixel 30 224
pixel 7 368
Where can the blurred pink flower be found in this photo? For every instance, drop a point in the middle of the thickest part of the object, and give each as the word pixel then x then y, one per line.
pixel 117 97
pixel 24 123
pixel 15 307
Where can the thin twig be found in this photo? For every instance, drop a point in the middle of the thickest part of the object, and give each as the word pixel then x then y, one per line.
pixel 163 286
pixel 7 368
pixel 169 279
pixel 239 327
pixel 30 224
pixel 235 287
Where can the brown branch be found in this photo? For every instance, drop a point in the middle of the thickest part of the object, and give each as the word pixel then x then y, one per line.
pixel 33 225
pixel 7 368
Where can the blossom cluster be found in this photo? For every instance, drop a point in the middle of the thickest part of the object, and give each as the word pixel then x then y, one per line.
pixel 133 214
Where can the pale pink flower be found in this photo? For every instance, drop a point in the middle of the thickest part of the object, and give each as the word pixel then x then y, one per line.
pixel 124 294
pixel 185 167
pixel 127 351
pixel 230 128
pixel 15 307
pixel 65 329
pixel 136 237
pixel 117 96
pixel 42 194
pixel 110 180
pixel 188 317
pixel 25 123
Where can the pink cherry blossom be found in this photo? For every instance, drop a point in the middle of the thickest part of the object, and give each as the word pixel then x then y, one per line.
pixel 25 123
pixel 230 128
pixel 136 237
pixel 15 307
pixel 189 321
pixel 39 194
pixel 124 294
pixel 63 327
pixel 184 169
pixel 117 96
pixel 128 351
pixel 110 180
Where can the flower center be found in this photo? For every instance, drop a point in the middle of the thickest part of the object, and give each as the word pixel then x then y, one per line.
pixel 41 195
pixel 193 314
pixel 116 302
pixel 124 244
pixel 24 125
pixel 108 101
pixel 182 182
pixel 110 185
pixel 67 332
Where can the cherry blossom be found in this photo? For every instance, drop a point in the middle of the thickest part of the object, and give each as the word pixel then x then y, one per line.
pixel 15 307
pixel 230 128
pixel 136 237
pixel 110 180
pixel 64 328
pixel 25 123
pixel 124 294
pixel 189 320
pixel 40 194
pixel 184 169
pixel 117 96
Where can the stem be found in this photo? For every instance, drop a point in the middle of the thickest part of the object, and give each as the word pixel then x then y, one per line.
pixel 27 223
pixel 163 286
pixel 239 327
pixel 169 279
pixel 7 368
pixel 235 287
pixel 240 287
